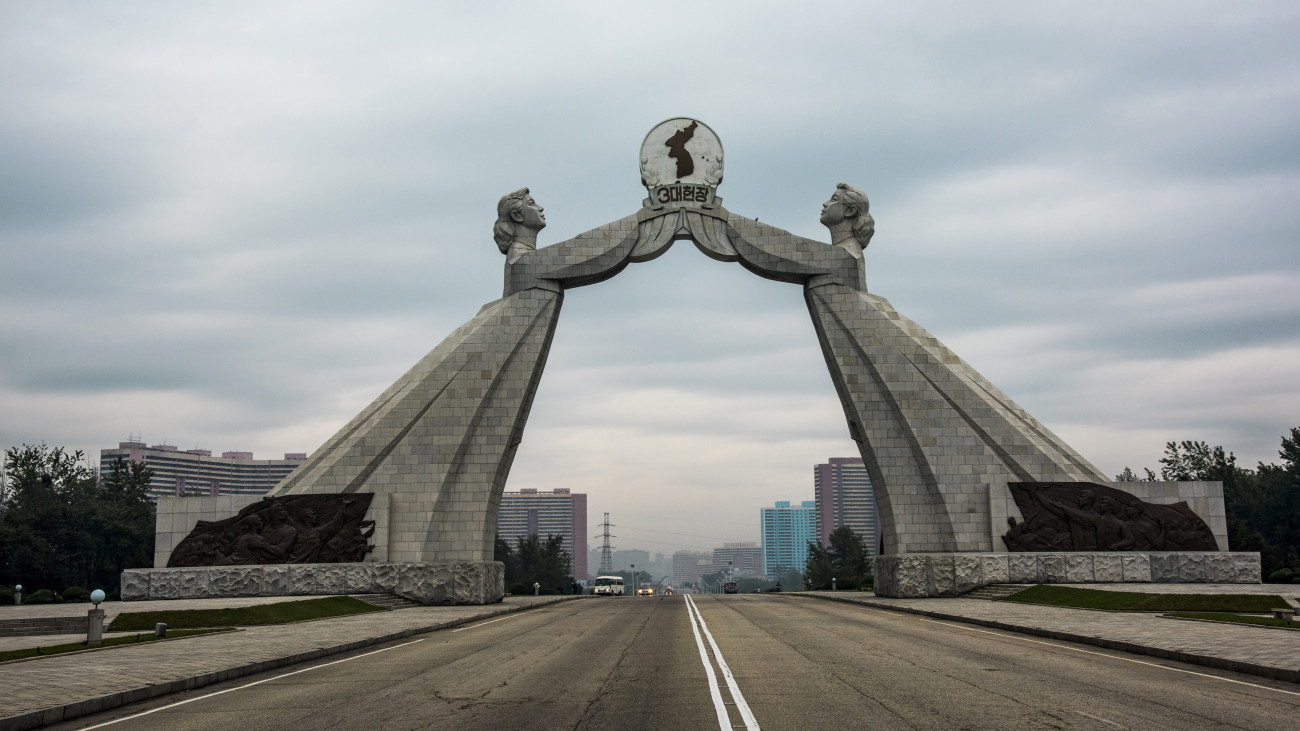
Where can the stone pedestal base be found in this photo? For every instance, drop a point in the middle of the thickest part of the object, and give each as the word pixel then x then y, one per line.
pixel 453 582
pixel 952 574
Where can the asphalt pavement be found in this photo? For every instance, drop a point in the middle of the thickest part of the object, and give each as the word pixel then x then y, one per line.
pixel 754 661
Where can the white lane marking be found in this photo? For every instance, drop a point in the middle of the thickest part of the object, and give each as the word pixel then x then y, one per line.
pixel 1087 652
pixel 248 685
pixel 751 723
pixel 1099 718
pixel 490 621
pixel 724 721
pixel 511 615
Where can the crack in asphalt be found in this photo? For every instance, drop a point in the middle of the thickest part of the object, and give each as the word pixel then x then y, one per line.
pixel 605 687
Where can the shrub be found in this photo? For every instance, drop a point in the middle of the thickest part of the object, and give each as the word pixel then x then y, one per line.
pixel 6 596
pixel 76 594
pixel 1281 576
pixel 43 596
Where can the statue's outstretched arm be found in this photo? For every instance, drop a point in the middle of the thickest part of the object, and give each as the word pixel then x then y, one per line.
pixel 777 254
pixel 587 258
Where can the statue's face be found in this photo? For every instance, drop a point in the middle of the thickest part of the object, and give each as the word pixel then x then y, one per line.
pixel 529 215
pixel 836 209
pixel 1086 498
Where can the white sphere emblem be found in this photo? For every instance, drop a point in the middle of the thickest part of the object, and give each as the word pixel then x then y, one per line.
pixel 681 150
pixel 97 596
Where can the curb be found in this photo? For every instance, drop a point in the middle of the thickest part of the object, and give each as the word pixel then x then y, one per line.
pixel 69 711
pixel 1264 671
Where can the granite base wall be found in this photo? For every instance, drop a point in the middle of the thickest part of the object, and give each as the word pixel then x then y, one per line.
pixel 953 574
pixel 452 582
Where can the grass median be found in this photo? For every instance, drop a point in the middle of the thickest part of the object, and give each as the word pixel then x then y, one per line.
pixel 1236 619
pixel 107 642
pixel 1133 601
pixel 259 614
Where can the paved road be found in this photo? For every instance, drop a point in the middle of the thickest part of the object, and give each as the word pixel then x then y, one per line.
pixel 797 664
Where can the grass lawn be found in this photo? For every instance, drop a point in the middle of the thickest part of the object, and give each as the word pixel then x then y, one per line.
pixel 1238 618
pixel 107 642
pixel 1068 596
pixel 276 613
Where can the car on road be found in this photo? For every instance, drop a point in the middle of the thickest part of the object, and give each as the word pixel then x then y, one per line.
pixel 730 587
pixel 645 591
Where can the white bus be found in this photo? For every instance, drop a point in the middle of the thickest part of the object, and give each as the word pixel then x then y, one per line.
pixel 607 586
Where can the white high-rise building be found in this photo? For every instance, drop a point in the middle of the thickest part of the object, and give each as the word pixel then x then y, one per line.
pixel 560 513
pixel 196 472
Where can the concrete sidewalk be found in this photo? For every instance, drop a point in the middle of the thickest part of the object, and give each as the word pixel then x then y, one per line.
pixel 1264 651
pixel 111 610
pixel 47 690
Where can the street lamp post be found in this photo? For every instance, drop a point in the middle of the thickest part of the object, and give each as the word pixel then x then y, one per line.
pixel 95 620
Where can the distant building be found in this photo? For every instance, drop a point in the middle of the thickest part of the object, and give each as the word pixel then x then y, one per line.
pixel 626 559
pixel 197 472
pixel 786 533
pixel 743 558
pixel 687 566
pixel 845 497
pixel 560 513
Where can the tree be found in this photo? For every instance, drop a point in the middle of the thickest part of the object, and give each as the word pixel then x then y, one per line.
pixel 846 559
pixel 503 552
pixel 1128 476
pixel 60 527
pixel 1196 461
pixel 536 560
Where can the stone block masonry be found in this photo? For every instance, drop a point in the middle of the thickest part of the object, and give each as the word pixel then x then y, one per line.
pixel 453 582
pixel 953 574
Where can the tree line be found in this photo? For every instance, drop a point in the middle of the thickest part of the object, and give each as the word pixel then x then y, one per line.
pixel 61 527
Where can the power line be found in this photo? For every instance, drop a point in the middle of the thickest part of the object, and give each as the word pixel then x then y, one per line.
pixel 689 535
pixel 690 520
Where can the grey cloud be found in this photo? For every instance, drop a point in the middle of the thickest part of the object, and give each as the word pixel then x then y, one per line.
pixel 240 222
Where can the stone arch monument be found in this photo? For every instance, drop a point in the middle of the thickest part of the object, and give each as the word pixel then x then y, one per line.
pixel 952 459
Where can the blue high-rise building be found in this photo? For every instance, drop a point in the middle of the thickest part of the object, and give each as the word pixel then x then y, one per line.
pixel 786 533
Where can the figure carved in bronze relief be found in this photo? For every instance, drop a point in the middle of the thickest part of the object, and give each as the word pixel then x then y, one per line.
pixel 286 529
pixel 1084 516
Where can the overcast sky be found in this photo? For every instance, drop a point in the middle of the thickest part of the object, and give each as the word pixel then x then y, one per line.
pixel 232 225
